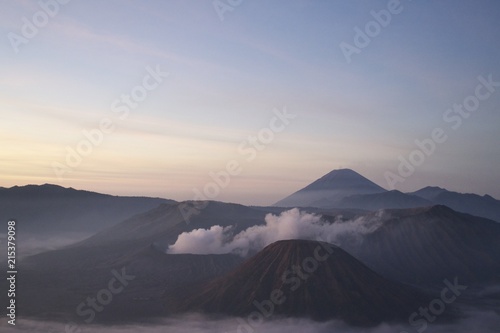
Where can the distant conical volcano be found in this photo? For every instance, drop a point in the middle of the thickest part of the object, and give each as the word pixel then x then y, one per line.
pixel 331 188
pixel 302 278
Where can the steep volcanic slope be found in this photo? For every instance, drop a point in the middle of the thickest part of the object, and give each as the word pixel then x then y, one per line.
pixel 427 245
pixel 329 189
pixel 307 279
pixel 484 206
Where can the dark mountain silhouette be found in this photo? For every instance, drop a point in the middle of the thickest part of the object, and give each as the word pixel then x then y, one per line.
pixel 70 274
pixel 483 206
pixel 52 209
pixel 418 246
pixel 328 190
pixel 338 286
pixel 385 200
pixel 346 189
pixel 423 246
pixel 54 283
pixel 163 224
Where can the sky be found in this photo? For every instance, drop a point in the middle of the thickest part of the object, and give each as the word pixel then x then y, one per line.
pixel 249 100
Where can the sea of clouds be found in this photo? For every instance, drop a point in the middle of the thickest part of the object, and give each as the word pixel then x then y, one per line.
pixel 480 322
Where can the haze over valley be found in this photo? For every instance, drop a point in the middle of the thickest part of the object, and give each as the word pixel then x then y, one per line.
pixel 249 166
pixel 329 267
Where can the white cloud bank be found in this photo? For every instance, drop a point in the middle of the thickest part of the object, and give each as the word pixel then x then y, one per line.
pixel 484 322
pixel 291 224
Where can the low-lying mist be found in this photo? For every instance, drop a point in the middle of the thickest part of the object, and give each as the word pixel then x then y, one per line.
pixel 31 244
pixel 291 224
pixel 485 322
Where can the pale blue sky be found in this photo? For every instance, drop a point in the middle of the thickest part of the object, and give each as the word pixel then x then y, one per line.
pixel 226 77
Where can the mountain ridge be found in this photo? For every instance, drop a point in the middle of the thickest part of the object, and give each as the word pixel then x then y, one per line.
pixel 425 245
pixel 53 209
pixel 345 188
pixel 471 203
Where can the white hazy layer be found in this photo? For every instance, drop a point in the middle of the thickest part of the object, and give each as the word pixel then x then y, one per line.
pixel 32 244
pixel 291 224
pixel 486 322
